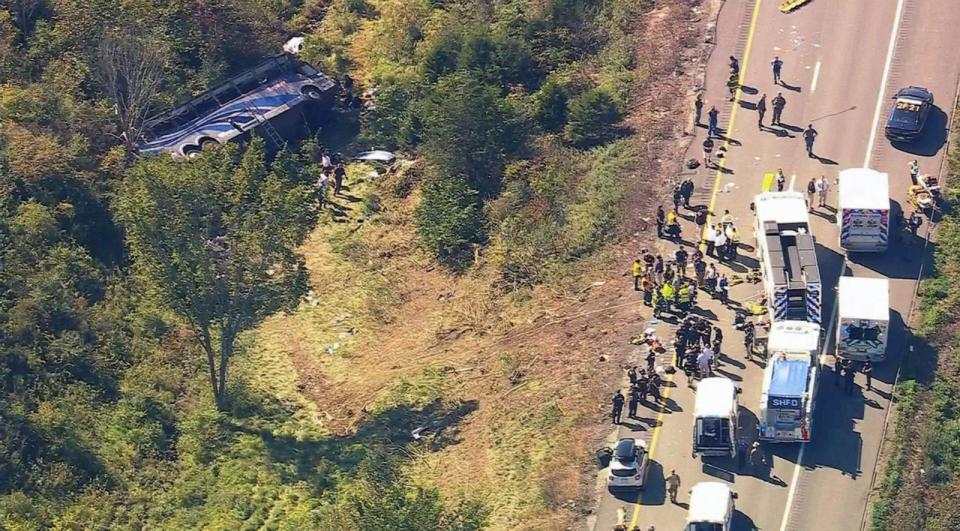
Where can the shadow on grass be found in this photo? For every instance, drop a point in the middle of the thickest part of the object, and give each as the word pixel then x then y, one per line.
pixel 318 461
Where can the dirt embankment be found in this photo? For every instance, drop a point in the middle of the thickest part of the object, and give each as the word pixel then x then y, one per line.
pixel 510 393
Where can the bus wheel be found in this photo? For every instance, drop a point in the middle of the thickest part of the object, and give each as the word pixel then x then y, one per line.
pixel 191 152
pixel 207 143
pixel 313 93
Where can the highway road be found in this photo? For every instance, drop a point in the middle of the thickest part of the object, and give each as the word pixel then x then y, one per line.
pixel 843 61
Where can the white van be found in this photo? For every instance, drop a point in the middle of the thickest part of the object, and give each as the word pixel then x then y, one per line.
pixel 711 507
pixel 864 210
pixel 715 420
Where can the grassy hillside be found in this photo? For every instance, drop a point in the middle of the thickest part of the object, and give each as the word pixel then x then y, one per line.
pixel 450 312
pixel 922 471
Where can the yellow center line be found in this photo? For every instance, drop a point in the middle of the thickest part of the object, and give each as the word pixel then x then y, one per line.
pixel 721 164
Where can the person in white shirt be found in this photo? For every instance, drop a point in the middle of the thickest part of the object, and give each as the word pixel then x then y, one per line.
pixel 703 362
pixel 823 186
pixel 721 245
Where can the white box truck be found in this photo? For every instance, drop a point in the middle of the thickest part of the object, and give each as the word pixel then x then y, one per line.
pixel 864 210
pixel 788 394
pixel 863 318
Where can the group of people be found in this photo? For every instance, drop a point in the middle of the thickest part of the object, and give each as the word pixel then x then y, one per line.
pixel 643 383
pixel 666 285
pixel 331 168
pixel 846 371
pixel 697 345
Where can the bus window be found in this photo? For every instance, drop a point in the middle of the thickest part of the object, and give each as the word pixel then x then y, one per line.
pixel 205 105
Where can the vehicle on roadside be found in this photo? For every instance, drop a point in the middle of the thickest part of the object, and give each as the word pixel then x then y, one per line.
pixel 250 101
pixel 715 418
pixel 790 379
pixel 863 318
pixel 864 210
pixel 788 256
pixel 711 507
pixel 629 465
pixel 909 113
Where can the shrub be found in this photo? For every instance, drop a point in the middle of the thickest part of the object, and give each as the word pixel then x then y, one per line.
pixel 449 219
pixel 550 105
pixel 592 118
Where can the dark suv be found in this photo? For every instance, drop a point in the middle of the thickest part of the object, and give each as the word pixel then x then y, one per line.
pixel 909 113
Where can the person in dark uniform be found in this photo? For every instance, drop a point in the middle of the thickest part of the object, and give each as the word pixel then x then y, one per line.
pixel 761 110
pixel 661 219
pixel 338 174
pixel 653 388
pixel 848 375
pixel 698 109
pixel 867 371
pixel 617 407
pixel 632 404
pixel 778 104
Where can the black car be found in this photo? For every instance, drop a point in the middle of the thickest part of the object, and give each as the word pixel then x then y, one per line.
pixel 910 110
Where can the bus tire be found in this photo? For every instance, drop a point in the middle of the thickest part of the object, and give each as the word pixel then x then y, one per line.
pixel 206 143
pixel 312 93
pixel 191 151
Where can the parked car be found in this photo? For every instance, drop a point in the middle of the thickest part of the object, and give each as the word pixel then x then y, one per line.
pixel 628 465
pixel 910 110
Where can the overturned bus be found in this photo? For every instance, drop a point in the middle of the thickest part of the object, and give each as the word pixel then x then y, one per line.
pixel 254 100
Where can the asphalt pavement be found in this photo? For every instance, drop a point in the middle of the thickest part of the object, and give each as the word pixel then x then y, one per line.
pixel 843 61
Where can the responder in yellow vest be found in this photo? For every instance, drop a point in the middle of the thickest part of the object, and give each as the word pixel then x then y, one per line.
pixel 637 273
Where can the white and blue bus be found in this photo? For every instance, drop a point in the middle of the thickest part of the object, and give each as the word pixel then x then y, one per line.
pixel 245 102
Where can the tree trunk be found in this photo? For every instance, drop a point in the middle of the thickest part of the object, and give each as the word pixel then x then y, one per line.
pixel 203 334
pixel 226 349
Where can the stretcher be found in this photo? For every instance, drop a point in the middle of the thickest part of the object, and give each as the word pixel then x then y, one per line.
pixel 790 5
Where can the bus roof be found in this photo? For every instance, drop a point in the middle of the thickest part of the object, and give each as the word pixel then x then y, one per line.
pixel 716 398
pixel 864 188
pixel 781 207
pixel 709 503
pixel 788 377
pixel 864 298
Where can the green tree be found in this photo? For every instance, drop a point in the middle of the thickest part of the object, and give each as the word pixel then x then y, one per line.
pixel 469 130
pixel 449 219
pixel 551 106
pixel 592 118
pixel 217 239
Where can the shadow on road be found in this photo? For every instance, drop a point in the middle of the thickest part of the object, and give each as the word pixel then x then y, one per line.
pixel 655 492
pixel 742 522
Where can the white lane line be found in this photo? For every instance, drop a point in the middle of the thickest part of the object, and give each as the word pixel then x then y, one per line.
pixel 883 83
pixel 793 489
pixel 816 76
pixel 793 180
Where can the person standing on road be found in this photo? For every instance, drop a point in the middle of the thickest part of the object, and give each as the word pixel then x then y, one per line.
pixel 637 273
pixel 808 137
pixel 713 118
pixel 867 371
pixel 848 375
pixel 823 186
pixel 653 388
pixel 686 190
pixel 703 363
pixel 673 486
pixel 707 152
pixel 734 66
pixel 811 189
pixel 723 284
pixel 781 180
pixel 756 458
pixel 632 404
pixel 717 340
pixel 761 110
pixel 617 407
pixel 779 103
pixel 697 110
pixel 677 198
pixel 777 65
